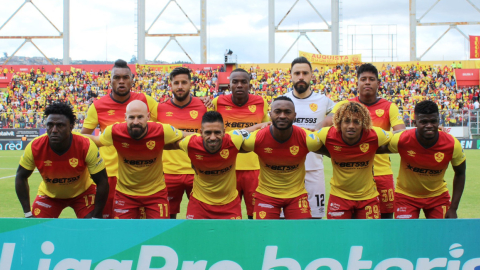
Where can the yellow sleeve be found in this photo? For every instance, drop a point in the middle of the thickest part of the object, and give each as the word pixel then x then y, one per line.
pixel 184 143
pixel 214 102
pixel 94 161
pixel 458 154
pixel 338 105
pixel 249 142
pixel 106 137
pixel 171 134
pixel 395 117
pixel 91 121
pixel 384 137
pixel 237 138
pixel 26 160
pixel 322 134
pixel 266 117
pixel 152 105
pixel 313 142
pixel 393 145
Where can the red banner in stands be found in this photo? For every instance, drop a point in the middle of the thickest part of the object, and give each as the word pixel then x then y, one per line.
pixel 5 80
pixel 474 47
pixel 467 77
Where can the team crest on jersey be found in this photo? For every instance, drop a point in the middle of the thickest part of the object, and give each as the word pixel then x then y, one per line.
pixel 125 145
pixel 379 112
pixel 151 145
pixel 364 147
pixel 294 149
pixel 252 108
pixel 73 162
pixel 439 156
pixel 313 107
pixel 111 112
pixel 228 108
pixel 268 150
pixel 224 153
pixel 337 148
pixel 199 157
pixel 411 153
pixel 47 163
pixel 36 211
pixel 169 113
pixel 194 114
pixel 262 214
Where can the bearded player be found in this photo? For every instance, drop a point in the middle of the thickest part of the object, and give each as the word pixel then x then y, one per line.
pixel 311 109
pixel 351 143
pixel 184 112
pixel 242 110
pixel 425 153
pixel 385 115
pixel 66 162
pixel 109 110
pixel 282 149
pixel 141 191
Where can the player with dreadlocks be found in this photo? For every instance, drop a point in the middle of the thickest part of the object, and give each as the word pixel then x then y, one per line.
pixel 351 143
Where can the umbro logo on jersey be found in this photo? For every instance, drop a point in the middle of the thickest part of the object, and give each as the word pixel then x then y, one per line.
pixel 379 112
pixel 252 108
pixel 224 153
pixel 228 108
pixel 125 145
pixel 73 162
pixel 411 153
pixel 169 113
pixel 111 112
pixel 199 157
pixel 364 147
pixel 47 163
pixel 337 148
pixel 268 150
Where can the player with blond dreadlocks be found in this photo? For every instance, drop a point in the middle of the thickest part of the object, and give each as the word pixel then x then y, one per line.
pixel 351 143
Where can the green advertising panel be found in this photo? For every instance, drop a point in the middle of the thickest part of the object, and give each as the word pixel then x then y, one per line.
pixel 64 244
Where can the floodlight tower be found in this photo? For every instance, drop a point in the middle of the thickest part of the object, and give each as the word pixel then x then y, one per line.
pixel 65 35
pixel 334 28
pixel 142 33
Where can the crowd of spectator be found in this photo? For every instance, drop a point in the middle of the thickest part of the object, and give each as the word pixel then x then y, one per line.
pixel 22 104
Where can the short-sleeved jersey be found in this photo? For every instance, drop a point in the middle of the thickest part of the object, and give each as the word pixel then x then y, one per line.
pixel 353 164
pixel 282 164
pixel 385 115
pixel 422 169
pixel 140 168
pixel 215 181
pixel 105 112
pixel 238 117
pixel 311 111
pixel 186 118
pixel 67 175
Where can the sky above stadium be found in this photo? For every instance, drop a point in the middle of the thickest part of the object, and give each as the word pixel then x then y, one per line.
pixel 106 29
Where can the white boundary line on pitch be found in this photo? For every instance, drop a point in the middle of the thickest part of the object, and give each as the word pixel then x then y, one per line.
pixel 10 176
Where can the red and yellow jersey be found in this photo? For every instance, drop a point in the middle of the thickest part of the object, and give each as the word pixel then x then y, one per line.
pixel 282 164
pixel 238 117
pixel 187 118
pixel 105 112
pixel 385 115
pixel 140 169
pixel 422 169
pixel 66 175
pixel 215 181
pixel 353 164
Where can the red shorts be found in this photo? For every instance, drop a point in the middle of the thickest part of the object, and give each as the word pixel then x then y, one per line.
pixel 386 189
pixel 199 210
pixel 108 210
pixel 340 208
pixel 154 206
pixel 83 204
pixel 407 207
pixel 177 184
pixel 267 207
pixel 247 183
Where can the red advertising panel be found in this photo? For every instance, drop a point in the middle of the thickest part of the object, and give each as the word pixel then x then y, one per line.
pixel 467 77
pixel 474 47
pixel 5 80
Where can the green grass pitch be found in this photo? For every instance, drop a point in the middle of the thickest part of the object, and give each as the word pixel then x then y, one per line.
pixel 10 206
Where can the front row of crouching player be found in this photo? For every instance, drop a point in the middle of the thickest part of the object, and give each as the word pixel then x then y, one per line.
pixel 66 161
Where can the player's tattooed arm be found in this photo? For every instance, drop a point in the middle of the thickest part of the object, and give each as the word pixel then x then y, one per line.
pixel 458 186
pixel 207 101
pixel 258 126
pixel 399 128
pixel 95 139
pixel 23 189
pixel 327 122
pixel 101 180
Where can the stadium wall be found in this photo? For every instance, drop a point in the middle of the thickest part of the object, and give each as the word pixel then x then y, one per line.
pixel 62 244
